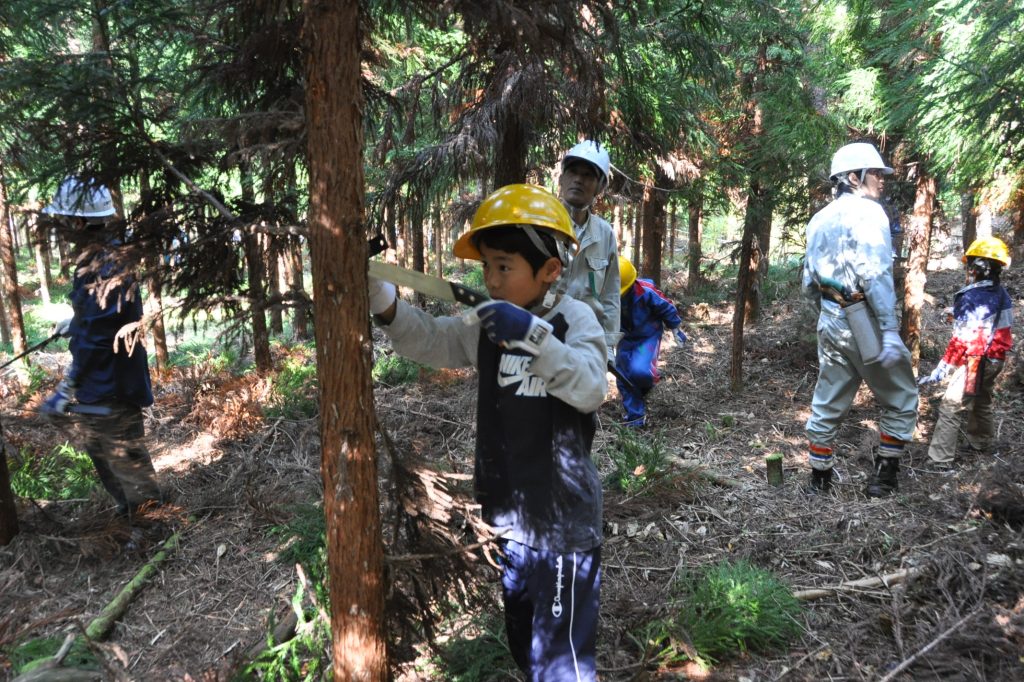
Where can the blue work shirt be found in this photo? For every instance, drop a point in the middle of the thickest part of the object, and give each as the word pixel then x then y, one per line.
pixel 100 373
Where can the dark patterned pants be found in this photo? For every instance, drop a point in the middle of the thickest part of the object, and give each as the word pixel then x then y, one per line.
pixel 116 445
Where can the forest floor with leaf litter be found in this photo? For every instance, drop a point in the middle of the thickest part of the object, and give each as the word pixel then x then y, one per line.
pixel 956 611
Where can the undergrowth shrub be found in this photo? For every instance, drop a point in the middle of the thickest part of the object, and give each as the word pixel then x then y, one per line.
pixel 305 656
pixel 64 473
pixel 394 370
pixel 476 652
pixel 722 611
pixel 637 460
pixel 293 392
pixel 33 653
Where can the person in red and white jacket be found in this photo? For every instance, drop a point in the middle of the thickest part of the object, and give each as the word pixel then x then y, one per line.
pixel 982 319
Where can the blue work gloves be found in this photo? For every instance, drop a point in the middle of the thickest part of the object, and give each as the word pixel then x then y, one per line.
pixel 680 335
pixel 893 349
pixel 941 371
pixel 508 325
pixel 57 404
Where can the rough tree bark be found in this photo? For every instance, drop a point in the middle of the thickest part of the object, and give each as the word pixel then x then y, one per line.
pixel 334 105
pixel 919 234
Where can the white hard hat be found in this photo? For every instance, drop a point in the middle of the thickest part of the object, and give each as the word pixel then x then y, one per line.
pixel 594 154
pixel 75 198
pixel 857 156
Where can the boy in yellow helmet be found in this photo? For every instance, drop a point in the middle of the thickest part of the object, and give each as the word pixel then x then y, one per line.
pixel 982 320
pixel 541 359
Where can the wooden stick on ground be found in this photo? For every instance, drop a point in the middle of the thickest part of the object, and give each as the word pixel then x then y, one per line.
pixel 863 583
pixel 928 647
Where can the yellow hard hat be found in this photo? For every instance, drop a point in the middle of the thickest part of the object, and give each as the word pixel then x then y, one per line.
pixel 989 247
pixel 518 205
pixel 627 274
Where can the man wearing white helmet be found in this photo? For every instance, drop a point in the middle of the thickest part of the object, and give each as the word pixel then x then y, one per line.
pixel 593 276
pixel 849 258
pixel 105 371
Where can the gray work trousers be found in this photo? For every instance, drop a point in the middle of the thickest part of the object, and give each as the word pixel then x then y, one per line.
pixel 840 373
pixel 978 408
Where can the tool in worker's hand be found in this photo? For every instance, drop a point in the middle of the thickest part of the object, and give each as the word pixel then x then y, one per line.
pixel 427 284
pixel 33 349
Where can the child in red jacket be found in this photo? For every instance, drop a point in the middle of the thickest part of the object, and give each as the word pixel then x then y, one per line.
pixel 982 318
pixel 645 314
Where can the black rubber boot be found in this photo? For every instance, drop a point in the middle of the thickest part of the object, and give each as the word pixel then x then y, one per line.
pixel 884 481
pixel 821 482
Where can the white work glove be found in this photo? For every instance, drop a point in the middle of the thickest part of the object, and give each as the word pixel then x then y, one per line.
pixel 57 404
pixel 611 355
pixel 892 349
pixel 941 371
pixel 382 295
pixel 63 328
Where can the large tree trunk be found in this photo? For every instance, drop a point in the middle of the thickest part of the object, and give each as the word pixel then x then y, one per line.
pixel 7 257
pixel 334 105
pixel 510 161
pixel 919 234
pixel 695 235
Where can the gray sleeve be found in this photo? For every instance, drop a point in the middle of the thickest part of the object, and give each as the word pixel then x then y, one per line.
pixel 574 371
pixel 611 290
pixel 874 268
pixel 433 341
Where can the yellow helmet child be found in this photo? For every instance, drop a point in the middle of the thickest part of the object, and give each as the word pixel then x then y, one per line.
pixel 627 274
pixel 992 248
pixel 526 206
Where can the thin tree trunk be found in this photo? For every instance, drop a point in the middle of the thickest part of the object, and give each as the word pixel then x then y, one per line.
pixel 257 303
pixel 273 251
pixel 439 233
pixel 629 228
pixel 654 227
pixel 41 245
pixel 355 554
pixel 5 325
pixel 300 319
pixel 759 216
pixel 156 303
pixel 695 236
pixel 919 234
pixel 639 218
pixel 416 244
pixel 758 206
pixel 968 217
pixel 7 256
pixel 673 226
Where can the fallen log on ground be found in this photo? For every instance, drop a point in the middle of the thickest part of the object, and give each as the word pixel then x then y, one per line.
pixel 862 584
pixel 49 669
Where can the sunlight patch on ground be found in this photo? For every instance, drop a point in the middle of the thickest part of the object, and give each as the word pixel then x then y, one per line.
pixel 200 450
